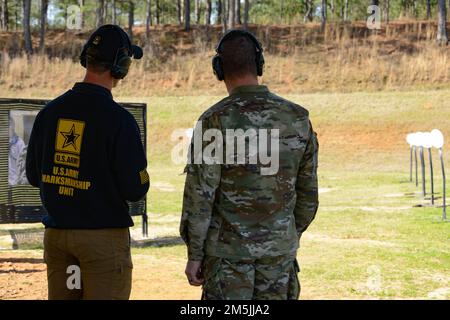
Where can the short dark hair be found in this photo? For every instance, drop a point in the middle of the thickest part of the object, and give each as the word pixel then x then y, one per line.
pixel 238 57
pixel 94 63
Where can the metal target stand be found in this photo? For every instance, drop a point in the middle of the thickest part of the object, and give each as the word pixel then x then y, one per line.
pixel 444 210
pixel 429 140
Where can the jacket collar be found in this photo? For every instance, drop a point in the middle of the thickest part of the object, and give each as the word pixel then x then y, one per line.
pixel 91 89
pixel 250 89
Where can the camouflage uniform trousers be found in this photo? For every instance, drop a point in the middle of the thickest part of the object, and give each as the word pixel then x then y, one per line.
pixel 274 278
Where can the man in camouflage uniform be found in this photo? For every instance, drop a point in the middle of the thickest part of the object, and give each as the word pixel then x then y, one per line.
pixel 242 227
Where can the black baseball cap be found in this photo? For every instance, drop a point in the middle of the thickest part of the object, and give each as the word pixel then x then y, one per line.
pixel 107 40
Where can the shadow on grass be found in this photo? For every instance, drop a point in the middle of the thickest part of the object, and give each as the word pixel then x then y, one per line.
pixel 21 271
pixel 32 239
pixel 158 242
pixel 8 230
pixel 19 261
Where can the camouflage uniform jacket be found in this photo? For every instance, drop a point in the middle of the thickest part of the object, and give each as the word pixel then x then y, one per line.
pixel 232 211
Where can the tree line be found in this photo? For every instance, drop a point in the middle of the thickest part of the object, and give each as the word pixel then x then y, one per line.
pixel 26 15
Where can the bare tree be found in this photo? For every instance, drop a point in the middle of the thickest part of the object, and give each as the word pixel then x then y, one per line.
pixel 81 5
pixel 246 13
pixel 16 14
pixel 428 9
pixel 197 11
pixel 442 37
pixel 148 21
pixel 346 10
pixel 187 15
pixel 332 7
pixel 404 7
pixel 323 14
pixel 114 12
pixel 105 11
pixel 224 15
pixel 387 7
pixel 43 22
pixel 99 13
pixel 238 12
pixel 130 19
pixel 179 13
pixel 4 15
pixel 219 11
pixel 208 12
pixel 1 15
pixel 26 26
pixel 309 11
pixel 158 13
pixel 231 13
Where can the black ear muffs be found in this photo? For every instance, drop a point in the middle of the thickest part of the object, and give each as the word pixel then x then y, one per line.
pixel 83 56
pixel 217 63
pixel 260 63
pixel 121 65
pixel 218 68
pixel 122 62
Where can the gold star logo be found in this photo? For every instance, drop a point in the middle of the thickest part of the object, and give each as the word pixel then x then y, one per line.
pixel 70 138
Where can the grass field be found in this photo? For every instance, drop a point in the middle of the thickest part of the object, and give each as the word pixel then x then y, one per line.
pixel 368 241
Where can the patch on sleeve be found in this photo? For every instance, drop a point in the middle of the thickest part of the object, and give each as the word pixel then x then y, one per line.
pixel 145 178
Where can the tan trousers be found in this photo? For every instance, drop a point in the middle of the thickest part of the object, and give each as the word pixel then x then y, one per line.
pixel 88 264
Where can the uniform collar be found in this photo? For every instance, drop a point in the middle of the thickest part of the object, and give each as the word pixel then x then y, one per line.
pixel 250 89
pixel 90 88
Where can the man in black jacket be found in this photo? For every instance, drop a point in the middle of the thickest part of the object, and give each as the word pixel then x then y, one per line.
pixel 86 156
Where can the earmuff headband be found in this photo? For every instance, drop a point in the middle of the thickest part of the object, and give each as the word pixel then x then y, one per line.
pixel 244 33
pixel 217 63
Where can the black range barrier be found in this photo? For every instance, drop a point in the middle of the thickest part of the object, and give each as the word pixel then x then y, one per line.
pixel 20 202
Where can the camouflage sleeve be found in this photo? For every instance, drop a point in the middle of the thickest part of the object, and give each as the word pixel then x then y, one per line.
pixel 307 186
pixel 202 180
